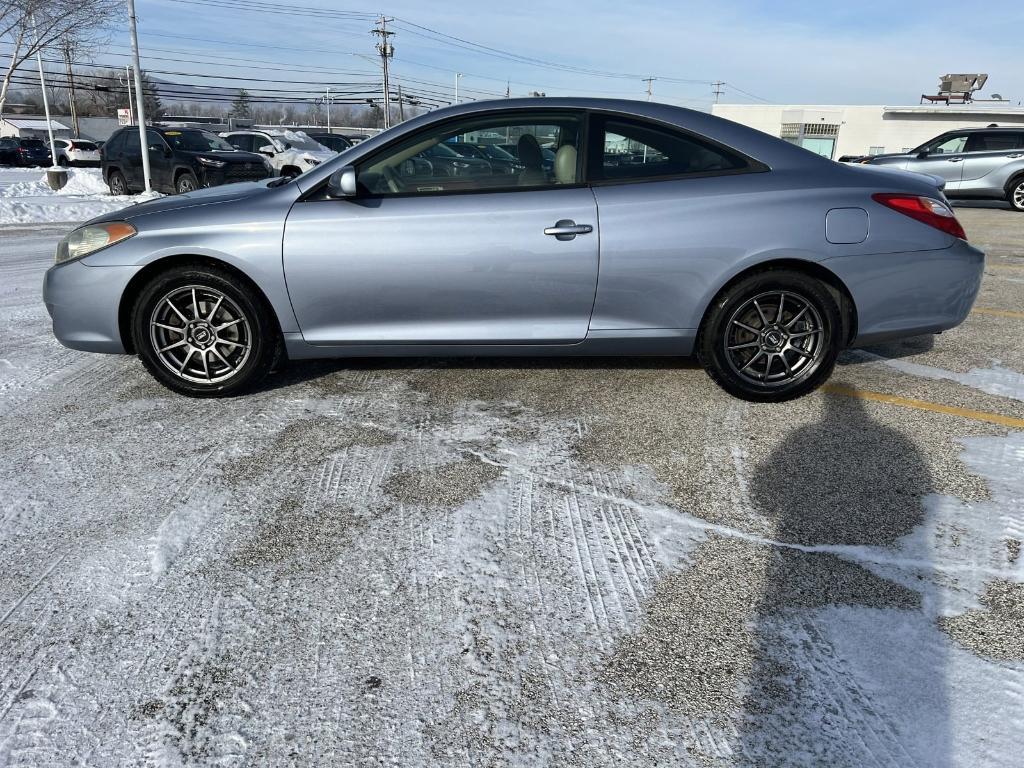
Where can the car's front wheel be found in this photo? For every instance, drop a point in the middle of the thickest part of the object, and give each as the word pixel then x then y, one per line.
pixel 202 332
pixel 186 183
pixel 771 336
pixel 1016 195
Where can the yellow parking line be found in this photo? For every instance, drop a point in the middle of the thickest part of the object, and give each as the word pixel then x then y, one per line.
pixel 997 312
pixel 924 405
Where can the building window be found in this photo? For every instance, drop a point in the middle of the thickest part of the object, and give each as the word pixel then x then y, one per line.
pixel 819 138
pixel 876 150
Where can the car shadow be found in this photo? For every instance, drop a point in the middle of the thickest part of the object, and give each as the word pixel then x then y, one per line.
pixel 297 372
pixel 844 480
pixel 893 350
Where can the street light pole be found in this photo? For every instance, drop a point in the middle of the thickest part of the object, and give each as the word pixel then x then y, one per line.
pixel 138 95
pixel 457 76
pixel 46 101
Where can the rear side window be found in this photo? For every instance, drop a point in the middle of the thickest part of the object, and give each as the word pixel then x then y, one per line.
pixel 994 142
pixel 628 149
pixel 131 142
pixel 114 145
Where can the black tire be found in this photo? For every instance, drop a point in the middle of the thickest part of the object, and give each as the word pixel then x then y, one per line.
pixel 62 161
pixel 117 183
pixel 186 182
pixel 252 345
pixel 1015 195
pixel 756 353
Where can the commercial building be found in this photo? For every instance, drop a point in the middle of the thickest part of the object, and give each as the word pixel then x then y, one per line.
pixel 835 131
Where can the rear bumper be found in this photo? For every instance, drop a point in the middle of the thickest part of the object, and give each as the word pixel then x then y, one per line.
pixel 907 294
pixel 83 303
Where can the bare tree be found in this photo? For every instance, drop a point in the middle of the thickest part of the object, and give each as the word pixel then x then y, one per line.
pixel 29 26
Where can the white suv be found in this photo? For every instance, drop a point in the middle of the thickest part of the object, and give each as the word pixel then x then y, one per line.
pixel 76 152
pixel 290 152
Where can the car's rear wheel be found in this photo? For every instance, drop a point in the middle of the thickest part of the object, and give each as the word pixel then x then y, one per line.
pixel 117 183
pixel 1016 195
pixel 772 336
pixel 202 332
pixel 186 182
pixel 62 161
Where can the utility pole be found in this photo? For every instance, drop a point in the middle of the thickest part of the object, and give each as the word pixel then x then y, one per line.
pixel 401 105
pixel 650 84
pixel 508 89
pixel 128 81
pixel 328 109
pixel 46 101
pixel 66 48
pixel 138 95
pixel 457 76
pixel 386 50
pixel 718 89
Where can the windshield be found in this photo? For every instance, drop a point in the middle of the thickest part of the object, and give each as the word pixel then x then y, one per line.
pixel 34 143
pixel 300 140
pixel 197 141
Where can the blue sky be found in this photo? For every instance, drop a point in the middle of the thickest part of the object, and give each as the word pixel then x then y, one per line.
pixel 784 51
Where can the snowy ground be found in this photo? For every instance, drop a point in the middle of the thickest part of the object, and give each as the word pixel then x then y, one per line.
pixel 517 563
pixel 26 198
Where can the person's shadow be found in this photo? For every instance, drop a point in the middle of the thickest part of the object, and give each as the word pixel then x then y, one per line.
pixel 844 480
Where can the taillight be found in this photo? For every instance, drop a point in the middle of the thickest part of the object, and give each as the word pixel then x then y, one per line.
pixel 927 210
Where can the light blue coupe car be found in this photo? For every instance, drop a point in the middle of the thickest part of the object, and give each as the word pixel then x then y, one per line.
pixel 656 231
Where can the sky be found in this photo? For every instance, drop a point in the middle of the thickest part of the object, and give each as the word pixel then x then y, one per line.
pixel 787 51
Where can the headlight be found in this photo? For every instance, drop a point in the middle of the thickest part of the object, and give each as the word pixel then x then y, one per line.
pixel 212 162
pixel 92 238
pixel 311 160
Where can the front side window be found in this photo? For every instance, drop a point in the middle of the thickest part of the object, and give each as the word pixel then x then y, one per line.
pixel 545 142
pixel 947 145
pixel 635 149
pixel 242 141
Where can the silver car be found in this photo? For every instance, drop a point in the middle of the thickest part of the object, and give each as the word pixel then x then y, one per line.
pixel 655 231
pixel 980 163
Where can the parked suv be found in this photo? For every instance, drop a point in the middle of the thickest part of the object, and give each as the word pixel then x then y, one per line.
pixel 79 152
pixel 333 141
pixel 25 152
pixel 289 152
pixel 985 163
pixel 181 160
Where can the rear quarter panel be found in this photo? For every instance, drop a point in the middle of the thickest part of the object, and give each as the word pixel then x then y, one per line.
pixel 667 247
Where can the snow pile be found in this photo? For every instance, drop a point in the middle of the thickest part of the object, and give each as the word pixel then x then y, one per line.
pixel 83 197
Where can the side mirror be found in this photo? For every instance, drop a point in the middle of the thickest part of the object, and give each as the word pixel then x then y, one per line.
pixel 342 183
pixel 267 150
pixel 923 154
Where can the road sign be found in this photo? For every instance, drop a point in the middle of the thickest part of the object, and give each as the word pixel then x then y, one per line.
pixel 124 117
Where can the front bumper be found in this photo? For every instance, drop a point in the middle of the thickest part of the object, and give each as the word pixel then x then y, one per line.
pixel 214 177
pixel 83 303
pixel 907 294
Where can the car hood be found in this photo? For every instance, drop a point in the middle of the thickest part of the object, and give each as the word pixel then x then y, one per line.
pixel 206 196
pixel 895 175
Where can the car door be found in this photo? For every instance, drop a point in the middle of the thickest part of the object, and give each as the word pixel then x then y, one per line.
pixel 131 160
pixel 420 256
pixel 161 163
pixel 986 153
pixel 943 157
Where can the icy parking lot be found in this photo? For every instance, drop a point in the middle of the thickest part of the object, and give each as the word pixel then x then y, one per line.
pixel 482 563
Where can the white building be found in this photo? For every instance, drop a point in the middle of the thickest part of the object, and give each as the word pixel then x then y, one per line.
pixel 835 131
pixel 31 128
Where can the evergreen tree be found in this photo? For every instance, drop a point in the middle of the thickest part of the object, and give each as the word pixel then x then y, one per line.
pixel 242 105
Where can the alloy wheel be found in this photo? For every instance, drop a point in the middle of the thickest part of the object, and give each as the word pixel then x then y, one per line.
pixel 200 334
pixel 775 338
pixel 1018 197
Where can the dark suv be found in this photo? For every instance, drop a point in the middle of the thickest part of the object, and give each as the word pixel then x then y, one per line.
pixel 180 159
pixel 15 151
pixel 980 163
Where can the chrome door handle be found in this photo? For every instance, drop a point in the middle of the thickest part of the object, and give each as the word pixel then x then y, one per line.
pixel 1014 157
pixel 955 160
pixel 567 229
